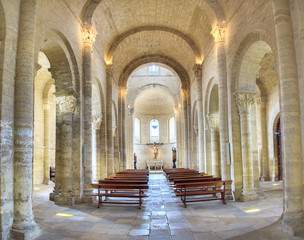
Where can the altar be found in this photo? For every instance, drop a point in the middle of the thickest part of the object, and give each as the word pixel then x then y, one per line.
pixel 155 165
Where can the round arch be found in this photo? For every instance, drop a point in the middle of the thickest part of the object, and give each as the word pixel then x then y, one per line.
pixel 248 42
pixel 177 68
pixel 62 59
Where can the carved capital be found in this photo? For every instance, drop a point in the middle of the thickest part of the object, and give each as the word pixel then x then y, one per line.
pixel 244 101
pixel 67 104
pixel 213 121
pixel 88 34
pixel 219 33
pixel 197 69
pixel 96 121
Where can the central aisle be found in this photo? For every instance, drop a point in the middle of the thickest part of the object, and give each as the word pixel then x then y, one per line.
pixel 162 217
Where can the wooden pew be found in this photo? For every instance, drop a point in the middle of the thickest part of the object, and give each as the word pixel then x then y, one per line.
pixel 186 190
pixel 52 174
pixel 120 190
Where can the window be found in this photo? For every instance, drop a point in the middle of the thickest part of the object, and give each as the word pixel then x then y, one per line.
pixel 172 130
pixel 137 130
pixel 154 130
pixel 153 69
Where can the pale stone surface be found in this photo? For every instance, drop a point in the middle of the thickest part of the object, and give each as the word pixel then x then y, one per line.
pixel 244 46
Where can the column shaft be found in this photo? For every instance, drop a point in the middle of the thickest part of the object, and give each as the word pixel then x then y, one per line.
pixel 223 117
pixel 46 108
pixel 290 119
pixel 110 139
pixel 244 101
pixel 215 153
pixel 87 115
pixel 66 160
pixel 263 133
pixel 24 225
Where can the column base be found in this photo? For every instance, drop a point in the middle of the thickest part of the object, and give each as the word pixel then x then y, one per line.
pixel 292 224
pixel 88 196
pixel 63 199
pixel 264 179
pixel 47 181
pixel 28 233
pixel 249 195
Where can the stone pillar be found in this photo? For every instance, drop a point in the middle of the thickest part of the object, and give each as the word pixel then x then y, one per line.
pixel 198 75
pixel 109 105
pixel 186 149
pixel 67 106
pixel 46 110
pixel 219 38
pixel 89 35
pixel 244 102
pixel 96 122
pixel 261 102
pixel 292 218
pixel 24 226
pixel 213 121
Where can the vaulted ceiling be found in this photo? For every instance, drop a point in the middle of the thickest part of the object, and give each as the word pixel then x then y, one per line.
pixel 176 29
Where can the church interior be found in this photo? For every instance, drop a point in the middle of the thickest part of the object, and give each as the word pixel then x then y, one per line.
pixel 91 88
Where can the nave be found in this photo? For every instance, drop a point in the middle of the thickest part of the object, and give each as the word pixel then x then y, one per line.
pixel 162 216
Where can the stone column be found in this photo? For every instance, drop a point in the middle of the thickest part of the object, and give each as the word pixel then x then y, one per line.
pixel 67 106
pixel 186 149
pixel 24 226
pixel 219 38
pixel 292 218
pixel 89 35
pixel 198 75
pixel 96 122
pixel 46 110
pixel 261 102
pixel 213 121
pixel 244 101
pixel 109 105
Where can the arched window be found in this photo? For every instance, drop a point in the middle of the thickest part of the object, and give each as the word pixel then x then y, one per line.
pixel 137 130
pixel 172 130
pixel 154 130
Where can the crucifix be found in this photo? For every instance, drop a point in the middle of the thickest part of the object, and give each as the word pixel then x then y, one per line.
pixel 155 148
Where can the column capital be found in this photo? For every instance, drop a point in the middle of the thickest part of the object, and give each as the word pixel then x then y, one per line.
pixel 96 121
pixel 244 100
pixel 88 34
pixel 219 33
pixel 197 69
pixel 67 104
pixel 109 71
pixel 213 121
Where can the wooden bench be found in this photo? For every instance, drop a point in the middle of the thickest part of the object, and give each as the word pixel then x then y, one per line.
pixel 52 174
pixel 120 190
pixel 186 190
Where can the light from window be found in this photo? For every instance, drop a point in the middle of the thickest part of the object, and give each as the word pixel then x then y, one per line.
pixel 172 130
pixel 153 69
pixel 137 130
pixel 154 130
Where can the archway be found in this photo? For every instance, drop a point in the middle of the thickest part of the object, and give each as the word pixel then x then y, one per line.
pixel 279 150
pixel 153 92
pixel 213 123
pixel 58 67
pixel 256 94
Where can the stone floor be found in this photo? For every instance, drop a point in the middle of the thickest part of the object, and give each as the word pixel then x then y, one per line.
pixel 162 217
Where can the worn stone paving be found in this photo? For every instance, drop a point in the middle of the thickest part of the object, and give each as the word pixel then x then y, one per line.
pixel 162 217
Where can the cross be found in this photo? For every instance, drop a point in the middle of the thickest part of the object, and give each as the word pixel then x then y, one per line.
pixel 155 148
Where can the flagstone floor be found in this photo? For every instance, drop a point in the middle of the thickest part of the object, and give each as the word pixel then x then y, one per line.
pixel 162 217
